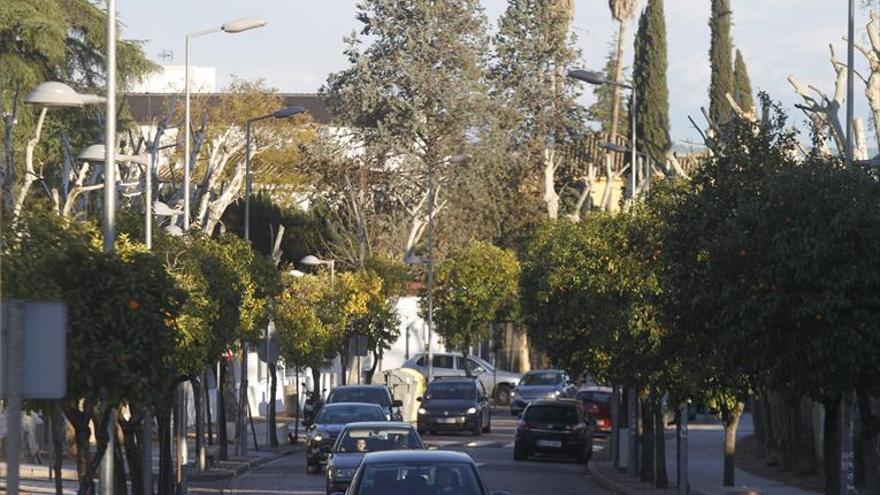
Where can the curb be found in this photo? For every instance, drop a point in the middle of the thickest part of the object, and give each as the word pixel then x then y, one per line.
pixel 607 483
pixel 227 470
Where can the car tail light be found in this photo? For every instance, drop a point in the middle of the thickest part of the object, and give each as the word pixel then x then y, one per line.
pixel 602 422
pixel 522 426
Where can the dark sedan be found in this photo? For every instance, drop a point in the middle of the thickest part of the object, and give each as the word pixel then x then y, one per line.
pixel 541 384
pixel 373 394
pixel 458 404
pixel 359 439
pixel 597 403
pixel 418 473
pixel 330 421
pixel 556 427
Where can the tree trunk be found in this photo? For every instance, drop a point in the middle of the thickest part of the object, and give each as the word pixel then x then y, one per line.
pixel 646 436
pixel 870 427
pixel 87 481
pixel 831 446
pixel 166 468
pixel 803 452
pixel 661 478
pixel 119 479
pixel 270 414
pixel 222 434
pixel 731 418
pixel 368 375
pixel 297 410
pixel 80 420
pixel 618 75
pixel 58 433
pixel 208 418
pixel 759 421
pixel 195 382
pixel 316 380
pixel 132 430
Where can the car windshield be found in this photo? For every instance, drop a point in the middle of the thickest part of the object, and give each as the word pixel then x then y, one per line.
pixel 349 414
pixel 541 378
pixel 377 439
pixel 419 479
pixel 550 414
pixel 449 390
pixel 601 397
pixel 370 395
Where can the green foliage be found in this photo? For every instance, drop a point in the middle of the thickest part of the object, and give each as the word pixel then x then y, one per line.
pixel 720 53
pixel 476 285
pixel 303 336
pixel 742 86
pixel 601 109
pixel 649 76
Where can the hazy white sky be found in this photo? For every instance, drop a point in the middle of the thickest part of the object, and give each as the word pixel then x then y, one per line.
pixel 302 42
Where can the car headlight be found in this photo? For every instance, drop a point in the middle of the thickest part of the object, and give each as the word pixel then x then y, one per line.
pixel 422 410
pixel 557 393
pixel 512 393
pixel 344 472
pixel 472 410
pixel 317 438
pixel 388 417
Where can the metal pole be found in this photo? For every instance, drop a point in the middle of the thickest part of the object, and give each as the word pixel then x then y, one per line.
pixel 186 125
pixel 148 195
pixel 632 467
pixel 683 488
pixel 615 425
pixel 850 60
pixel 430 364
pixel 13 359
pixel 106 476
pixel 633 162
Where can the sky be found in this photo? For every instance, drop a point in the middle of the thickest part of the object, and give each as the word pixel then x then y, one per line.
pixel 303 40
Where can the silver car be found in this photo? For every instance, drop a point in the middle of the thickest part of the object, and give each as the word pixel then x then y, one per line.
pixel 455 364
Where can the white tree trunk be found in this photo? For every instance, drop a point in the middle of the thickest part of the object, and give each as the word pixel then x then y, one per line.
pixel 551 197
pixel 30 175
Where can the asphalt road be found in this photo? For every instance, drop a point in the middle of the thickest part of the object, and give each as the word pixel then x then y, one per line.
pixel 493 453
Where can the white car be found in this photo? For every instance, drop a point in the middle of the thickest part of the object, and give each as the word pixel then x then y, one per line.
pixel 454 364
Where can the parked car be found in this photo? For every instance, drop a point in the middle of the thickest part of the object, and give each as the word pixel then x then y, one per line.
pixel 373 394
pixel 358 439
pixel 597 403
pixel 558 427
pixel 422 472
pixel 541 384
pixel 455 404
pixel 455 364
pixel 330 421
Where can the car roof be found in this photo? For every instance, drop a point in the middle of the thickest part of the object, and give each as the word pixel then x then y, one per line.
pixel 595 388
pixel 556 402
pixel 454 379
pixel 544 371
pixel 333 405
pixel 379 424
pixel 355 387
pixel 419 456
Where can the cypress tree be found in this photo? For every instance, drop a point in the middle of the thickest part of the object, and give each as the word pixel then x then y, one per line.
pixel 742 86
pixel 720 53
pixel 649 76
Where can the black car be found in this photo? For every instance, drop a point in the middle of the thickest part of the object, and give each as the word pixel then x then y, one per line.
pixel 558 427
pixel 541 384
pixel 330 421
pixel 458 404
pixel 359 439
pixel 373 394
pixel 421 472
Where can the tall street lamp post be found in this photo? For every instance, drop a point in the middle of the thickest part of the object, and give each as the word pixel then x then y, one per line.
pixel 235 26
pixel 598 79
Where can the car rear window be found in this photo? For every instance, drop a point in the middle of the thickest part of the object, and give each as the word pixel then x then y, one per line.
pixel 370 395
pixel 349 414
pixel 541 378
pixel 419 479
pixel 551 414
pixel 602 397
pixel 452 390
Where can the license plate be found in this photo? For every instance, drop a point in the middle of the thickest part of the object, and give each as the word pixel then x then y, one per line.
pixel 549 443
pixel 446 420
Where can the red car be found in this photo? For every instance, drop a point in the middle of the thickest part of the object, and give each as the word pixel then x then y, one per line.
pixel 597 403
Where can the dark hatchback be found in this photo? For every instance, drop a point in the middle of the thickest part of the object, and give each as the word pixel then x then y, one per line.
pixel 373 394
pixel 455 404
pixel 418 473
pixel 330 421
pixel 597 403
pixel 359 439
pixel 556 427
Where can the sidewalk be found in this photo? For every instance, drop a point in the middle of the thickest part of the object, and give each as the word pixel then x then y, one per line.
pixel 705 467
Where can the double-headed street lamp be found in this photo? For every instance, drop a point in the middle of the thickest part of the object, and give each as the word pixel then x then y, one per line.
pixel 235 26
pixel 280 114
pixel 597 79
pixel 312 260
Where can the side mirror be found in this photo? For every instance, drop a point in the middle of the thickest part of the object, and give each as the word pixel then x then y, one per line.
pixel 311 427
pixel 479 370
pixel 397 403
pixel 418 399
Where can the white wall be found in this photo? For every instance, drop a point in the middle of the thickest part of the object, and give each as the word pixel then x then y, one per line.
pixel 170 79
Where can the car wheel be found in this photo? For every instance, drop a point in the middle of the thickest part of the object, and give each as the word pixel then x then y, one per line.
pixel 519 452
pixel 478 429
pixel 502 395
pixel 311 468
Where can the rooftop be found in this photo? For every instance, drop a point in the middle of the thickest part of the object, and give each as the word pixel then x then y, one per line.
pixel 150 108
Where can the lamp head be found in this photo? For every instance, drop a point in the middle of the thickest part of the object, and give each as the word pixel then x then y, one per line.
pixel 587 76
pixel 54 94
pixel 243 24
pixel 311 260
pixel 289 112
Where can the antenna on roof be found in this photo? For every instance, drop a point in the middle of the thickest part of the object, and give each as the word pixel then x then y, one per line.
pixel 166 56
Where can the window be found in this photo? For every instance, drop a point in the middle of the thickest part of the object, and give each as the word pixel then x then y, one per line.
pixel 451 390
pixel 421 361
pixel 370 395
pixel 600 397
pixel 378 439
pixel 551 414
pixel 441 361
pixel 542 378
pixel 349 414
pixel 419 479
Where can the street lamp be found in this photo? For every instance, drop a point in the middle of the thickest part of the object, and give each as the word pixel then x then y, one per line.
pixel 312 260
pixel 279 114
pixel 234 26
pixel 597 79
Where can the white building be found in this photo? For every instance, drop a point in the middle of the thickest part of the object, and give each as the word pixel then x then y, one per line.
pixel 170 79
